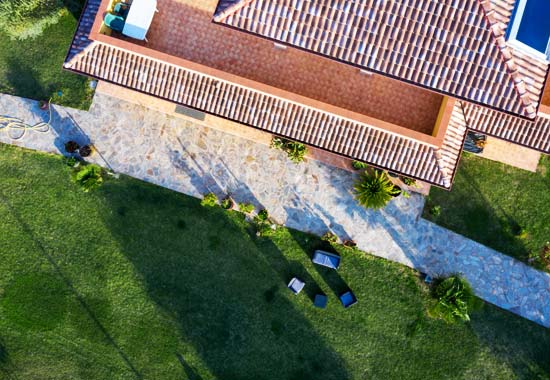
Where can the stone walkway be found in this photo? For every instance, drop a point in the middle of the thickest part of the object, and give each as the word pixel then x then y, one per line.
pixel 193 159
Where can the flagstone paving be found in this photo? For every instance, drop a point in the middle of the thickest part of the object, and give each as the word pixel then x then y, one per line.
pixel 312 196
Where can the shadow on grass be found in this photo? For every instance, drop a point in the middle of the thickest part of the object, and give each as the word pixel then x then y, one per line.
pixel 514 339
pixel 58 271
pixel 75 7
pixel 189 371
pixel 21 78
pixel 469 212
pixel 225 290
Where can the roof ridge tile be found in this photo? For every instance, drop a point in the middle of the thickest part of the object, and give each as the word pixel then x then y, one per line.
pixel 498 33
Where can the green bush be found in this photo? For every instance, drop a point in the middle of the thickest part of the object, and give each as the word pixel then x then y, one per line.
pixel 374 190
pixel 247 208
pixel 409 181
pixel 21 19
pixel 295 150
pixel 455 299
pixel 358 165
pixel 89 177
pixel 435 210
pixel 209 200
pixel 330 238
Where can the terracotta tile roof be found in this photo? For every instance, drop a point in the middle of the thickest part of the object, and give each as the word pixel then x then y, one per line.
pixel 454 47
pixel 533 134
pixel 274 114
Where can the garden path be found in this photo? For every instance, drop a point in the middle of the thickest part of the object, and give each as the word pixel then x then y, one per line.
pixel 188 157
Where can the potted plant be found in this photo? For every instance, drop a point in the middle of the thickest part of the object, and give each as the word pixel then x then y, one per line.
pixel 71 147
pixel 396 191
pixel 44 105
pixel 227 203
pixel 349 243
pixel 85 150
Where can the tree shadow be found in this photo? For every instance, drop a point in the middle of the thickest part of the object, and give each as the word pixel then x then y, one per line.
pixel 21 79
pixel 189 371
pixel 75 7
pixel 222 286
pixel 523 344
pixel 330 276
pixel 68 283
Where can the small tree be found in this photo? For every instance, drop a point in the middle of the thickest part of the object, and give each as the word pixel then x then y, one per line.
pixel 374 190
pixel 455 299
pixel 89 177
pixel 21 19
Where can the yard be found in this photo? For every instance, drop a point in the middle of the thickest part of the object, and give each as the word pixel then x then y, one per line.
pixel 32 68
pixel 497 205
pixel 136 281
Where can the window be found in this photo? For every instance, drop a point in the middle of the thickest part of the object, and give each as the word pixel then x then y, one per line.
pixel 530 28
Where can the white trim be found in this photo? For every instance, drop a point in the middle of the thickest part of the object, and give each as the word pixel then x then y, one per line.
pixel 518 17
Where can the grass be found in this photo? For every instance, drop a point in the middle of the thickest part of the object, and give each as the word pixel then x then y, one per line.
pixel 32 68
pixel 136 281
pixel 497 205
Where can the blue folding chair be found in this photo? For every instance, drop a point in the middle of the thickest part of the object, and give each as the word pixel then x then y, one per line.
pixel 114 22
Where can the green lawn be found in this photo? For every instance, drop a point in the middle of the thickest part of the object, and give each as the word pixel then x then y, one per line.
pixel 136 281
pixel 505 208
pixel 32 68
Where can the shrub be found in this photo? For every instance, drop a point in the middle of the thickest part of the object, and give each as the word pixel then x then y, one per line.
pixel 226 203
pixel 263 215
pixel 330 238
pixel 435 210
pixel 89 177
pixel 71 161
pixel 544 257
pixel 358 165
pixel 374 190
pixel 277 143
pixel 409 181
pixel 209 200
pixel 455 299
pixel 295 150
pixel 247 208
pixel 21 19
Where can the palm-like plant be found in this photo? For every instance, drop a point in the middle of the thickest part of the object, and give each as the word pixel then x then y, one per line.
pixel 89 177
pixel 374 190
pixel 455 298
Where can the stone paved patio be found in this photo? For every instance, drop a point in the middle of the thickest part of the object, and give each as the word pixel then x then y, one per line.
pixel 312 196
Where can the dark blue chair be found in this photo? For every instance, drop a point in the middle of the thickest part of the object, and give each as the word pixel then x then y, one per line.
pixel 348 299
pixel 320 301
pixel 326 259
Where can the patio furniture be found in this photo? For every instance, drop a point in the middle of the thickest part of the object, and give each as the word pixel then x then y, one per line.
pixel 348 299
pixel 139 18
pixel 320 301
pixel 326 259
pixel 296 285
pixel 121 9
pixel 114 22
